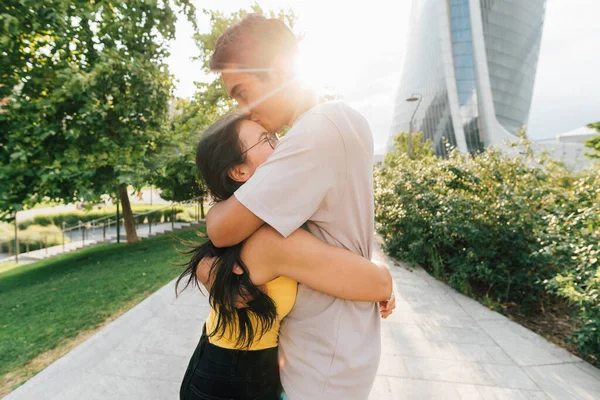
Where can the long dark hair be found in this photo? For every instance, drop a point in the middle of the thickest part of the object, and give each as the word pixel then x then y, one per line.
pixel 219 150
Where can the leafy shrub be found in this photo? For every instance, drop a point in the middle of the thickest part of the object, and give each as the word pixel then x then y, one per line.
pixel 73 217
pixel 170 213
pixel 573 242
pixel 39 236
pixel 33 238
pixel 188 214
pixel 7 232
pixel 33 231
pixel 155 217
pixel 513 230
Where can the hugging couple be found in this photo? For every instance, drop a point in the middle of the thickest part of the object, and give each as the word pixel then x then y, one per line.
pixel 295 302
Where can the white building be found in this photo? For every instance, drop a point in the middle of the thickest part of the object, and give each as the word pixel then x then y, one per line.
pixel 569 147
pixel 469 71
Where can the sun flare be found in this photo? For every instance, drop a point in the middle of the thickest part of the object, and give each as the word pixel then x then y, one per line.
pixel 318 67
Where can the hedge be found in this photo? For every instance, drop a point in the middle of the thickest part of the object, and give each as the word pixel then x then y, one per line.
pixel 518 230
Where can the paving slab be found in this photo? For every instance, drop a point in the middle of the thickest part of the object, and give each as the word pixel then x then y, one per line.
pixel 438 344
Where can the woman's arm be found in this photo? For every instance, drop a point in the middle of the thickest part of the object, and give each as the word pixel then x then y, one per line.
pixel 228 223
pixel 314 263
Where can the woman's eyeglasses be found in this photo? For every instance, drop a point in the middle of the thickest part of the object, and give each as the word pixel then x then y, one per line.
pixel 270 138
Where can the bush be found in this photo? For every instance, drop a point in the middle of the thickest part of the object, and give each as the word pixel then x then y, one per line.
pixel 72 218
pixel 32 238
pixel 39 236
pixel 573 242
pixel 155 217
pixel 188 214
pixel 140 219
pixel 170 213
pixel 7 232
pixel 32 232
pixel 509 229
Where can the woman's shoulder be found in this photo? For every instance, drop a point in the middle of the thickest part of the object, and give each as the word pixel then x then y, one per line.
pixel 259 254
pixel 265 234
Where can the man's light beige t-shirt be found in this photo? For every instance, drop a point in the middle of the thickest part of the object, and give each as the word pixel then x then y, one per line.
pixel 321 173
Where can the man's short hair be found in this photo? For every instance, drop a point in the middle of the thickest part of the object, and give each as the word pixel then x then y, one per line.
pixel 253 43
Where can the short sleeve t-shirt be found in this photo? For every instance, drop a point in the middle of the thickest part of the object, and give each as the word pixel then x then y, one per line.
pixel 321 174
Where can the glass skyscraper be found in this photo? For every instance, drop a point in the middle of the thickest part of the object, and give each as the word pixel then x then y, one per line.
pixel 472 64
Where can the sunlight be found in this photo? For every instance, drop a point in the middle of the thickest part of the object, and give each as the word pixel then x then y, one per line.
pixel 320 69
pixel 309 69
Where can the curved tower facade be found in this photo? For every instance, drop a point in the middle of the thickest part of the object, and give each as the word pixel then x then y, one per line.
pixel 472 64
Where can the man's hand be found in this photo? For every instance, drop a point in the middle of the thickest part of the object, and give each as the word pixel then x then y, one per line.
pixel 387 307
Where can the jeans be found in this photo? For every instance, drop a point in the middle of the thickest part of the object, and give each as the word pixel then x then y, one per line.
pixel 215 373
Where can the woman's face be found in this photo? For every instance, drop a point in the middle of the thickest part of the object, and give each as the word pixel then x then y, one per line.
pixel 254 142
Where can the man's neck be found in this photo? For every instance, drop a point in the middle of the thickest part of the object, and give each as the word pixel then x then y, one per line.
pixel 306 99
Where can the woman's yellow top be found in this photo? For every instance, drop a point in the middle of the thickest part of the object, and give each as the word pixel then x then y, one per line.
pixel 282 291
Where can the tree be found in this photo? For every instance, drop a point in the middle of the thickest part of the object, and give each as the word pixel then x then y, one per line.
pixel 420 149
pixel 594 143
pixel 212 95
pixel 176 173
pixel 85 97
pixel 175 169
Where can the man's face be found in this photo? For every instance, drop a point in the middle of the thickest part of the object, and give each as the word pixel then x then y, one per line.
pixel 262 98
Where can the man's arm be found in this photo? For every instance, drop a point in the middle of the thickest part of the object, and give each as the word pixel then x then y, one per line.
pixel 321 266
pixel 287 190
pixel 229 222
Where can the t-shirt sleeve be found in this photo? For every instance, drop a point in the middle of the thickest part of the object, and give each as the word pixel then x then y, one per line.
pixel 291 185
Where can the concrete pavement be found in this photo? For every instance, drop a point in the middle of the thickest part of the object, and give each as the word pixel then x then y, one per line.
pixel 438 344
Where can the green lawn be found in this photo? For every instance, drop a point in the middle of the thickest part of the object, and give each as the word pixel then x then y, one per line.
pixel 46 303
pixel 8 265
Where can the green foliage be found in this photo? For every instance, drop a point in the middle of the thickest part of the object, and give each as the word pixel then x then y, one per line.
pixel 50 235
pixel 573 241
pixel 213 95
pixel 219 22
pixel 175 169
pixel 86 94
pixel 8 265
pixel 176 173
pixel 420 149
pixel 7 232
pixel 45 230
pixel 594 143
pixel 35 237
pixel 73 217
pixel 507 230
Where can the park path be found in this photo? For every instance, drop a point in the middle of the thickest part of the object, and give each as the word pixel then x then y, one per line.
pixel 438 344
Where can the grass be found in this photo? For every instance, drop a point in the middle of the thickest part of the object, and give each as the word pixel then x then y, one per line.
pixel 8 265
pixel 50 304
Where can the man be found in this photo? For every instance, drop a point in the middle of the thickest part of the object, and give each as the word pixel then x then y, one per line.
pixel 319 176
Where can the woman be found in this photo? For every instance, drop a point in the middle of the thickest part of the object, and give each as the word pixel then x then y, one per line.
pixel 237 354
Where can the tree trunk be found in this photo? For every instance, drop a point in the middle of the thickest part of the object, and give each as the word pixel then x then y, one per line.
pixel 128 220
pixel 202 216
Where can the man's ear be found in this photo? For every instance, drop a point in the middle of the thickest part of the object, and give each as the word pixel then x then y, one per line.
pixel 238 173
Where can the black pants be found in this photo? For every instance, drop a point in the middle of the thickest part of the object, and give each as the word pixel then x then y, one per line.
pixel 215 373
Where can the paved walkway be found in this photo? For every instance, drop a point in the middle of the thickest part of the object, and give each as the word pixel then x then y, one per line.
pixel 437 345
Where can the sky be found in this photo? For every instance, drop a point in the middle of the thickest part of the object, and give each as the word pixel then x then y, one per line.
pixel 358 47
